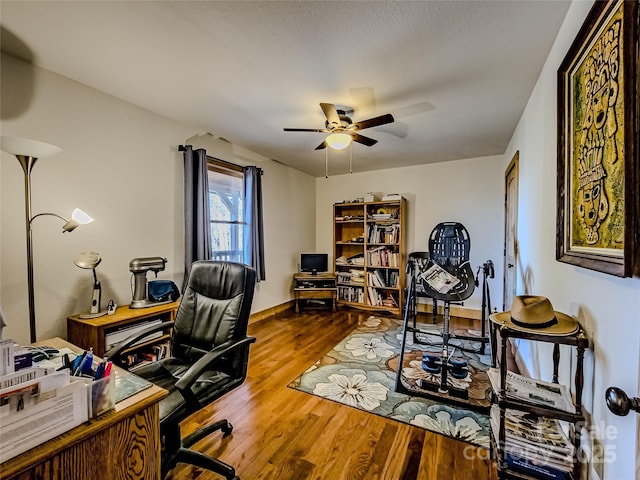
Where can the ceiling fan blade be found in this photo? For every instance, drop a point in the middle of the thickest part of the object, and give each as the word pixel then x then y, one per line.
pixel 363 140
pixel 321 146
pixel 374 122
pixel 305 130
pixel 331 113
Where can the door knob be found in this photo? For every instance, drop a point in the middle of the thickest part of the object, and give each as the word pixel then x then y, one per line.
pixel 509 265
pixel 619 402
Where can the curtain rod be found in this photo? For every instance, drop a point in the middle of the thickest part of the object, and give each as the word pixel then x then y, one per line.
pixel 182 148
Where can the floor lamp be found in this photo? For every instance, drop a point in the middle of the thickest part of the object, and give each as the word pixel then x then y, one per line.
pixel 27 152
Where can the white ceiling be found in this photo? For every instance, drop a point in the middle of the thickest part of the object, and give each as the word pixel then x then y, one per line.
pixel 455 74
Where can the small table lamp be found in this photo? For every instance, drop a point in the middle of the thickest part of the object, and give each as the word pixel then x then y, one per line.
pixel 92 260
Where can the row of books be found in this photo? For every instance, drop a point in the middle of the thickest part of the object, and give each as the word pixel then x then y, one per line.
pixel 375 278
pixel 383 278
pixel 352 276
pixel 152 353
pixel 351 294
pixel 383 257
pixel 377 233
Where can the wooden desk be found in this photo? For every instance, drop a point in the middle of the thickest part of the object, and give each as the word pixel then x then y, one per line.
pixel 123 443
pixel 315 287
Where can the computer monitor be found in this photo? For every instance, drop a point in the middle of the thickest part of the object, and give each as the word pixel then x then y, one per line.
pixel 314 263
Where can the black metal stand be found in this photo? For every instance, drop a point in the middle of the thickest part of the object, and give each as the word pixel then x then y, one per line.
pixel 487 272
pixel 410 326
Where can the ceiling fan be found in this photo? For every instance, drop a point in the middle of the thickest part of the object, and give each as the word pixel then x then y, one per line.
pixel 341 129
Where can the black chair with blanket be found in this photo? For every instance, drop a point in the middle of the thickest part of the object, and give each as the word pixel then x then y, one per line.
pixel 209 352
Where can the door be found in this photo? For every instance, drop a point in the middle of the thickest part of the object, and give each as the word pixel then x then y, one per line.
pixel 510 232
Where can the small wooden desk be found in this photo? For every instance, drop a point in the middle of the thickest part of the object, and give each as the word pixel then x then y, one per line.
pixel 121 443
pixel 315 287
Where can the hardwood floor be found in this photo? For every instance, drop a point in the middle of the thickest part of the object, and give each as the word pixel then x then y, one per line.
pixel 284 434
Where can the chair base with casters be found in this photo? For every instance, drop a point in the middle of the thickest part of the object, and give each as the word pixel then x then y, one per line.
pixel 182 452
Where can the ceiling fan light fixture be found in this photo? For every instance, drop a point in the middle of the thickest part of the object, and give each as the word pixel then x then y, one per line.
pixel 338 141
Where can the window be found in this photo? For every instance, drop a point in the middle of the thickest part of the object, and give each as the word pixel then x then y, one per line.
pixel 226 210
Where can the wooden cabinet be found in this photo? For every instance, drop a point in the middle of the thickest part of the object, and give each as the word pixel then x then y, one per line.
pixel 369 254
pixel 314 290
pixel 99 333
pixel 504 403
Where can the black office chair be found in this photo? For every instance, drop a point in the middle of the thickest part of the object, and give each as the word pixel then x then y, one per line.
pixel 209 352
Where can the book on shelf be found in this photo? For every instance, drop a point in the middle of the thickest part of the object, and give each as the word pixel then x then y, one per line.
pixel 389 301
pixel 382 257
pixel 343 277
pixel 342 260
pixel 357 260
pixel 383 278
pixel 534 391
pixel 351 294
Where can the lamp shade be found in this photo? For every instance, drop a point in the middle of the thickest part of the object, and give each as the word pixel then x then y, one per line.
pixel 88 260
pixel 28 148
pixel 78 217
pixel 338 141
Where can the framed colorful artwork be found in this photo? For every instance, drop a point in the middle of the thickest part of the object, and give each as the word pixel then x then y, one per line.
pixel 598 205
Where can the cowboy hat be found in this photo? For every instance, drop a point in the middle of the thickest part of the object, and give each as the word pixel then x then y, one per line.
pixel 535 314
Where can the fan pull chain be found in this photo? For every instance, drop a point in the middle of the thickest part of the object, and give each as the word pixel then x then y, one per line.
pixel 326 162
pixel 350 157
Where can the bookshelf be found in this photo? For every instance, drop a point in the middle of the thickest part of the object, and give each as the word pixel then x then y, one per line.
pixel 369 254
pixel 506 407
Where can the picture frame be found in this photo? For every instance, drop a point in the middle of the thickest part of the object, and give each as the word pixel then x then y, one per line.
pixel 598 166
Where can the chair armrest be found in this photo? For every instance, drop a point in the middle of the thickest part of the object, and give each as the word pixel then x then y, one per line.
pixel 114 353
pixel 193 373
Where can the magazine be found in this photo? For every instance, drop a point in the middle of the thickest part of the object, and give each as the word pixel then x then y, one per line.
pixel 534 391
pixel 439 279
pixel 533 436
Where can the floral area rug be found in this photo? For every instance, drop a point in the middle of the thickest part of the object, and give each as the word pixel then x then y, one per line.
pixel 361 372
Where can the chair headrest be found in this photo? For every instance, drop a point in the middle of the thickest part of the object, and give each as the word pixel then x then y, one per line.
pixel 231 279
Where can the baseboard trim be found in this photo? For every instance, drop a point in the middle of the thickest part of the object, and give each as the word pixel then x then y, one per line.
pixel 427 308
pixel 270 312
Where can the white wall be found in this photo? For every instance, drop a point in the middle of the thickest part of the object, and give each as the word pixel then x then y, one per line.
pixel 467 191
pixel 608 307
pixel 120 163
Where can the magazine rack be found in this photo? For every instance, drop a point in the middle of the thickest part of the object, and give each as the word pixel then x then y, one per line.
pixel 507 467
